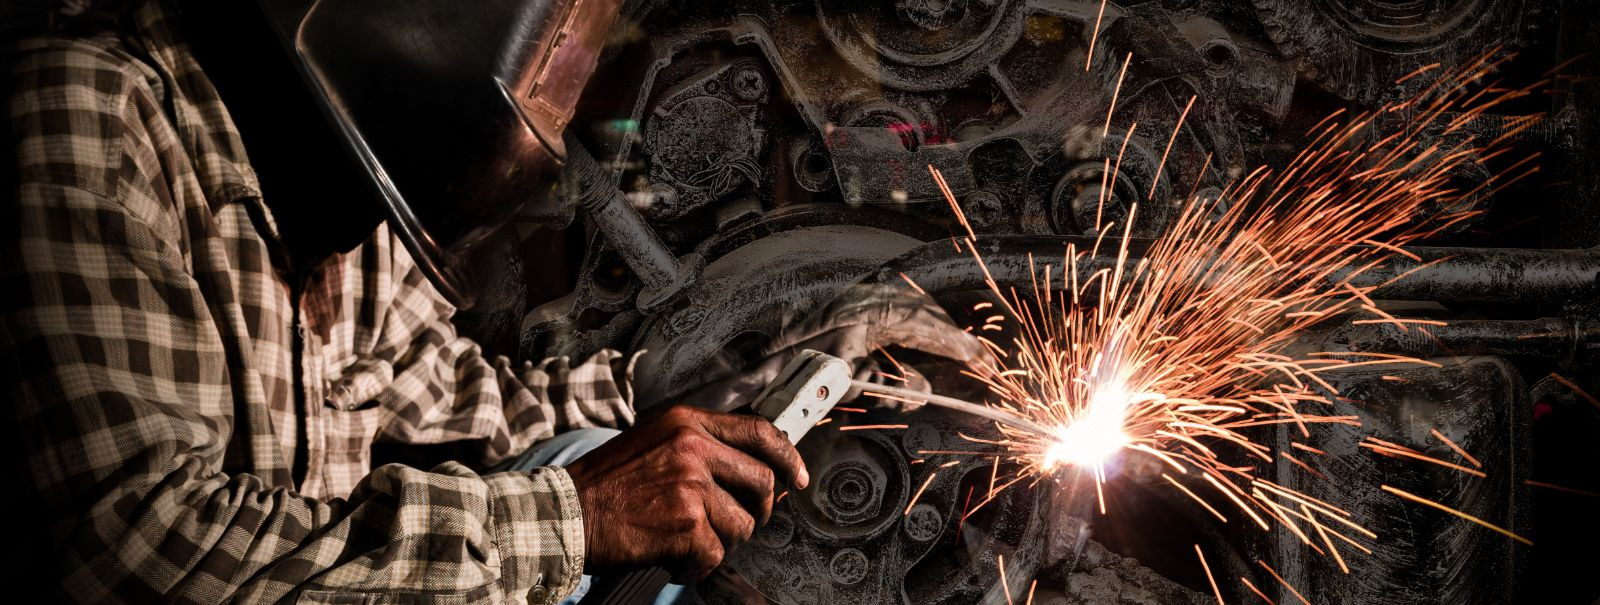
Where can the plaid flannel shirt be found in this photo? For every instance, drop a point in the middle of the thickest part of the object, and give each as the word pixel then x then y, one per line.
pixel 148 345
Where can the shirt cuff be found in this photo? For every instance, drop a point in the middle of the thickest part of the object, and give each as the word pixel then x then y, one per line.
pixel 539 531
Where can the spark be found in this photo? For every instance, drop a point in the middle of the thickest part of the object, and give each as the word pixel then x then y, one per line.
pixel 1115 92
pixel 1181 351
pixel 1173 139
pixel 1196 497
pixel 1282 581
pixel 1559 488
pixel 1572 386
pixel 955 207
pixel 1389 449
pixel 872 427
pixel 1000 561
pixel 1424 501
pixel 918 495
pixel 1258 592
pixel 1105 189
pixel 1095 36
pixel 913 284
pixel 1209 578
pixel 1323 533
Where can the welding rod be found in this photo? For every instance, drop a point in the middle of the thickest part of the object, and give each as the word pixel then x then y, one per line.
pixel 951 403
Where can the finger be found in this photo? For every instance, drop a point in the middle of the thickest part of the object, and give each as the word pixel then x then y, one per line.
pixel 703 554
pixel 756 436
pixel 746 478
pixel 728 519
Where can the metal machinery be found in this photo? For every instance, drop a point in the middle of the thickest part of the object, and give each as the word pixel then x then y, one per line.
pixel 776 151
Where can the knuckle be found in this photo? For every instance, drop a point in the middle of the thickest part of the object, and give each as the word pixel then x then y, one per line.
pixel 686 518
pixel 766 433
pixel 679 461
pixel 686 437
pixel 686 493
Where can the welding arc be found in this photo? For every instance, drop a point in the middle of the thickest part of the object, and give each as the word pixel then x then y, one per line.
pixel 950 403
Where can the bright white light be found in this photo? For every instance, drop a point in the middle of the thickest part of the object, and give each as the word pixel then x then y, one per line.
pixel 1096 435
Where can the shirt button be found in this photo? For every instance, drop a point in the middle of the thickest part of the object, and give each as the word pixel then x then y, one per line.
pixel 538 595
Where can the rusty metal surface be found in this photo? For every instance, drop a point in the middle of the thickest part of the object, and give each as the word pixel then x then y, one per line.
pixel 786 142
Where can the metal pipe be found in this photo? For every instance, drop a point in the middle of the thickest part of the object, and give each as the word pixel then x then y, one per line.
pixel 1551 338
pixel 1457 275
pixel 662 273
pixel 1488 275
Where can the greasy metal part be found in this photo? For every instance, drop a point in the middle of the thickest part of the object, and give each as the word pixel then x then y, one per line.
pixel 855 536
pixel 1442 274
pixel 1105 577
pixel 745 298
pixel 1423 556
pixel 1357 48
pixel 971 81
pixel 853 101
pixel 705 137
pixel 1489 275
pixel 663 274
pixel 1549 338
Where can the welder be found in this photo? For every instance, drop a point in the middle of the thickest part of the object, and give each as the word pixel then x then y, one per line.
pixel 205 356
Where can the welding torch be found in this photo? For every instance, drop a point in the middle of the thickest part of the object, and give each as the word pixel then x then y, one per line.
pixel 795 401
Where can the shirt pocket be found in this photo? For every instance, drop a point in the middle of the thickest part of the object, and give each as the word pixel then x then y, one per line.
pixel 352 421
pixel 358 385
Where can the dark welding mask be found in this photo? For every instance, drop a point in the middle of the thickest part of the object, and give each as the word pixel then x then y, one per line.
pixel 455 107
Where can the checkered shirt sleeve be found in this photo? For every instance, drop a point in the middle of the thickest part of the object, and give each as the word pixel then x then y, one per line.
pixel 402 375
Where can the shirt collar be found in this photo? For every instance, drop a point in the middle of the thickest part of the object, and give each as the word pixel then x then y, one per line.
pixel 203 125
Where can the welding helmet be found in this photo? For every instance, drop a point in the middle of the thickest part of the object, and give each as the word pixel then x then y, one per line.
pixel 454 108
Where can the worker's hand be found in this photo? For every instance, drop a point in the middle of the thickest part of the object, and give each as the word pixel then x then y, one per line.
pixel 680 490
pixel 862 320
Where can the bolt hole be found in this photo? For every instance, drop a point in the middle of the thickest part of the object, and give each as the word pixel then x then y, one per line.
pixel 1221 54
